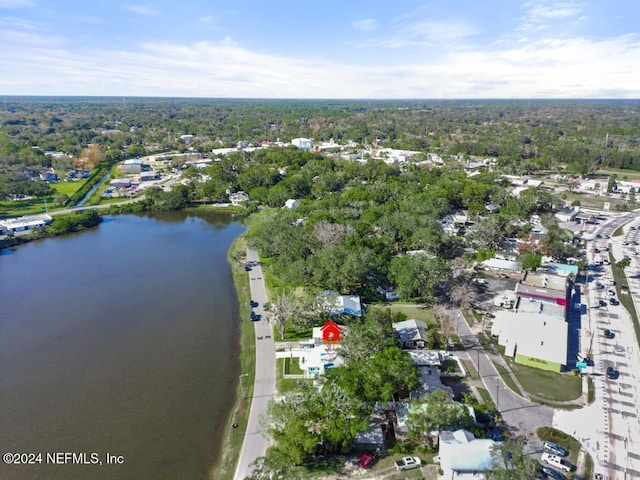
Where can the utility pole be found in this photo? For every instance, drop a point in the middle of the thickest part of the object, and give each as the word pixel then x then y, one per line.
pixel 498 394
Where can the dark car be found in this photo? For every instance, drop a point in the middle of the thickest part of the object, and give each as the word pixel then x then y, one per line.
pixel 551 473
pixel 612 373
pixel 609 334
pixel 247 268
pixel 367 460
pixel 602 303
pixel 253 304
pixel 613 301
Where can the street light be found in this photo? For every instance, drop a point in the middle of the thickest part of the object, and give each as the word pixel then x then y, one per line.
pixel 498 394
pixel 241 385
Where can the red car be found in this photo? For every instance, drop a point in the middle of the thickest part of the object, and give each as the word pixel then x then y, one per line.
pixel 367 460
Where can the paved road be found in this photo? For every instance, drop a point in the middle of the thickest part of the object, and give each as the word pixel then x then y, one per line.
pixel 522 415
pixel 255 443
pixel 609 429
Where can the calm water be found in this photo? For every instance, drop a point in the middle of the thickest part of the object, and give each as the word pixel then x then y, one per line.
pixel 123 339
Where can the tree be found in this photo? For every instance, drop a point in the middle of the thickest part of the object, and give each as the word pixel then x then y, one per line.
pixel 624 263
pixel 435 412
pixel 282 307
pixel 509 462
pixel 417 276
pixel 366 337
pixel 383 375
pixel 530 260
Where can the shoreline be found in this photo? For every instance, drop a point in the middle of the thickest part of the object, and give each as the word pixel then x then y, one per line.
pixel 232 438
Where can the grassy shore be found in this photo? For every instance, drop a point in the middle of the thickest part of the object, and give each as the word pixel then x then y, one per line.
pixel 232 439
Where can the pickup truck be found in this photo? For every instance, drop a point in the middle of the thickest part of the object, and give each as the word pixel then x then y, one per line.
pixel 407 463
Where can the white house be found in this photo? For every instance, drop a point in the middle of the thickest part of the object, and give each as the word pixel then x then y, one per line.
pixel 238 198
pixel 462 456
pixel 335 304
pixel 291 204
pixel 302 143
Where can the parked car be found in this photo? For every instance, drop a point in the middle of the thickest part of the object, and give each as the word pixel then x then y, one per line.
pixel 602 303
pixel 555 448
pixel 612 373
pixel 407 463
pixel 609 334
pixel 552 473
pixel 253 304
pixel 367 460
pixel 613 301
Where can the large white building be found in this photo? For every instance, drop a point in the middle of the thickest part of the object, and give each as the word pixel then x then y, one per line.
pixel 23 224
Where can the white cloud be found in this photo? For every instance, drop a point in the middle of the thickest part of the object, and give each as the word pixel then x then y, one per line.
pixel 550 68
pixel 17 3
pixel 366 25
pixel 426 33
pixel 544 10
pixel 142 9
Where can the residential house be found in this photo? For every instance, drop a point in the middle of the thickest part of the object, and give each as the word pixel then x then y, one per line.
pixel 491 207
pixel 462 456
pixel 49 175
pixel 291 204
pixel 320 353
pixel 504 265
pixel 337 304
pixel 238 198
pixel 302 143
pixel 411 334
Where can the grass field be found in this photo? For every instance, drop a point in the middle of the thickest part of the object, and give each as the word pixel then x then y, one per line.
pixel 411 311
pixel 547 386
pixel 68 188
pixel 626 299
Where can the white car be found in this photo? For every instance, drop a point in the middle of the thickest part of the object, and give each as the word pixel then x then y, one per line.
pixel 408 463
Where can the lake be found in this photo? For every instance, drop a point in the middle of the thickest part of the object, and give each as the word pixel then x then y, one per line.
pixel 123 340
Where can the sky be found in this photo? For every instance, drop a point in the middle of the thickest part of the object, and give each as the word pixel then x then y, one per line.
pixel 371 49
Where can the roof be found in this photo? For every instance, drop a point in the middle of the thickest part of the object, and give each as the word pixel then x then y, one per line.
pixel 498 264
pixel 425 358
pixel 540 292
pixel 411 330
pixel 546 280
pixel 133 161
pixel 349 304
pixel 531 334
pixel 27 221
pixel 540 307
pixel 460 451
pixel 562 269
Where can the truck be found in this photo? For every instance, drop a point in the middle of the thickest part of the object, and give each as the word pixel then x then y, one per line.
pixel 556 461
pixel 407 463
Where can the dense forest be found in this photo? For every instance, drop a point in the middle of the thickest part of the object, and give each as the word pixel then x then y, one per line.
pixel 524 136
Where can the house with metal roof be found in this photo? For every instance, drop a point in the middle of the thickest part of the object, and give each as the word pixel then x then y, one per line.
pixel 411 334
pixel 462 456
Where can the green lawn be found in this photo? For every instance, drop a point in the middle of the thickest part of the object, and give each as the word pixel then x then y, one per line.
pixel 626 299
pixel 292 366
pixel 68 188
pixel 411 311
pixel 592 201
pixel 486 398
pixel 547 386
pixel 506 378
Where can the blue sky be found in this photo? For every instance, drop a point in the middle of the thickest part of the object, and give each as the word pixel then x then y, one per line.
pixel 328 49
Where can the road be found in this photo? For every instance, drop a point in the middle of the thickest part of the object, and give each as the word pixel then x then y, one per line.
pixel 255 442
pixel 609 429
pixel 523 416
